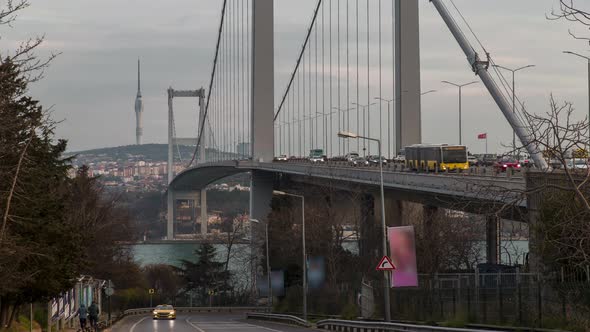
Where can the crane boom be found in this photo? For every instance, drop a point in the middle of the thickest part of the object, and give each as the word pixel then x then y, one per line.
pixel 481 69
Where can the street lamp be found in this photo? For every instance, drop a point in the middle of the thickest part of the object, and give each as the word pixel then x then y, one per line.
pixel 347 112
pixel 587 58
pixel 460 86
pixel 364 107
pixel 514 97
pixel 344 134
pixel 389 101
pixel 276 192
pixel 267 261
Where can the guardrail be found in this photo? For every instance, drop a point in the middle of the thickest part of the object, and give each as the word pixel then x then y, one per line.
pixel 289 319
pixel 143 311
pixel 359 326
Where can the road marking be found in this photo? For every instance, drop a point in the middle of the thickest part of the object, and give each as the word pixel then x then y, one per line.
pixel 263 327
pixel 191 324
pixel 135 325
pixel 218 325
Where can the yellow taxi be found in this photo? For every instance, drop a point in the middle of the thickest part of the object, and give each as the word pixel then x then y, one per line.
pixel 164 311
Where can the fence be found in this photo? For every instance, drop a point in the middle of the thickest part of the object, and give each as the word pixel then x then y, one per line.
pixel 521 299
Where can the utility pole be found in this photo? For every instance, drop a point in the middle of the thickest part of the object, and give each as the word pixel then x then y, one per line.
pixel 587 58
pixel 460 86
pixel 514 98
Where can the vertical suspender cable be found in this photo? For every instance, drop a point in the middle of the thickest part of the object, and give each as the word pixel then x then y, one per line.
pixel 324 127
pixel 380 84
pixel 315 115
pixel 390 124
pixel 330 133
pixel 358 122
pixel 338 55
pixel 347 78
pixel 215 58
pixel 311 146
pixel 368 82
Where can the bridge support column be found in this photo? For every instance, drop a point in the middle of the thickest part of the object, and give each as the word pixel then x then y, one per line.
pixel 407 74
pixel 170 215
pixel 493 239
pixel 204 214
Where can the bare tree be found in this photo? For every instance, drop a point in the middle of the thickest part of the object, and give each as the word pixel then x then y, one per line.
pixel 571 10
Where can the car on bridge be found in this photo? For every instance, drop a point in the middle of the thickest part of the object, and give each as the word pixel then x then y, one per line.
pixel 282 157
pixel 351 156
pixel 359 161
pixel 506 163
pixel 472 160
pixel 164 311
pixel 374 160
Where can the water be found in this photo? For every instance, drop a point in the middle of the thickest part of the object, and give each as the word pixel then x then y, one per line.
pixel 174 253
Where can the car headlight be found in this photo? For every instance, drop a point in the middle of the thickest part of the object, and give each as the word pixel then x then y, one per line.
pixel 155 312
pixel 173 312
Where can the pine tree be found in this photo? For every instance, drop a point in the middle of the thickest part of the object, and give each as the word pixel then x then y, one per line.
pixel 206 274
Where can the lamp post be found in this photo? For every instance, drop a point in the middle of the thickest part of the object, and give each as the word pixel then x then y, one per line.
pixel 345 111
pixel 304 252
pixel 460 86
pixel 365 132
pixel 344 134
pixel 389 101
pixel 514 97
pixel 267 261
pixel 587 58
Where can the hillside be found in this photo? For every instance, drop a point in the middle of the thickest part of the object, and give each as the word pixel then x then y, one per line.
pixel 149 152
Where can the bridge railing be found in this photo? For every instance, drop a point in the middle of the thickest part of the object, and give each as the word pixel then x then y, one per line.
pixel 362 326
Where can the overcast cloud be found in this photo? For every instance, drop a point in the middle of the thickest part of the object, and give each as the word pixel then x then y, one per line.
pixel 92 85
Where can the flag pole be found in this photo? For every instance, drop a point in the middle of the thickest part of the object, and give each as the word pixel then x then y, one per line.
pixel 486 143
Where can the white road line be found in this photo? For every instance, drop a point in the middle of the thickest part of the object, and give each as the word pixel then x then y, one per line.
pixel 191 324
pixel 263 327
pixel 135 325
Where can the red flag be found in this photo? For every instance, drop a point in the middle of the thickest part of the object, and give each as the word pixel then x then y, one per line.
pixel 482 136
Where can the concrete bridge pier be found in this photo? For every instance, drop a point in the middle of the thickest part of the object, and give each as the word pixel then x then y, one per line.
pixel 493 233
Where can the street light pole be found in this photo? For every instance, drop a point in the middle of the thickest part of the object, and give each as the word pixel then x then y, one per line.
pixel 460 86
pixel 389 101
pixel 269 287
pixel 587 58
pixel 514 96
pixel 386 283
pixel 365 132
pixel 303 244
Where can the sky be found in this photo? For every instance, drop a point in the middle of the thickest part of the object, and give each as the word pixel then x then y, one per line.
pixel 92 84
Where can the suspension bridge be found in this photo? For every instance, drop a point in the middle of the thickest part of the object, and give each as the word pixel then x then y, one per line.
pixel 343 80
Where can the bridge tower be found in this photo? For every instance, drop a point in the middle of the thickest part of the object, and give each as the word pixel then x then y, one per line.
pixel 408 119
pixel 262 121
pixel 174 140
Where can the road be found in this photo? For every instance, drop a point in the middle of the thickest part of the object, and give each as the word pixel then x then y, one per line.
pixel 205 322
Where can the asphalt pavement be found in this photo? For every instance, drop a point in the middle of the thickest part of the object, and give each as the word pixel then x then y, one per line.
pixel 204 322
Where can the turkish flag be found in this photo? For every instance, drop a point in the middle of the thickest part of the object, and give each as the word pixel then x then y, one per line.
pixel 482 136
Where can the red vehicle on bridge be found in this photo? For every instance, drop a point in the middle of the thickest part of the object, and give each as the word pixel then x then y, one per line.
pixel 505 163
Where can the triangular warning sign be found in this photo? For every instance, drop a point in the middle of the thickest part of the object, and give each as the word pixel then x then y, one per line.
pixel 385 264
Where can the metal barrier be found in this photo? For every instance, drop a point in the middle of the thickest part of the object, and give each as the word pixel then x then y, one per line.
pixel 359 326
pixel 289 319
pixel 143 311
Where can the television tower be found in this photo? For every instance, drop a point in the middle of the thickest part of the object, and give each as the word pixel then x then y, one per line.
pixel 138 108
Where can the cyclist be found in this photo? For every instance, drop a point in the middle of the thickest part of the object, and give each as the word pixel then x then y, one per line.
pixel 93 315
pixel 82 314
